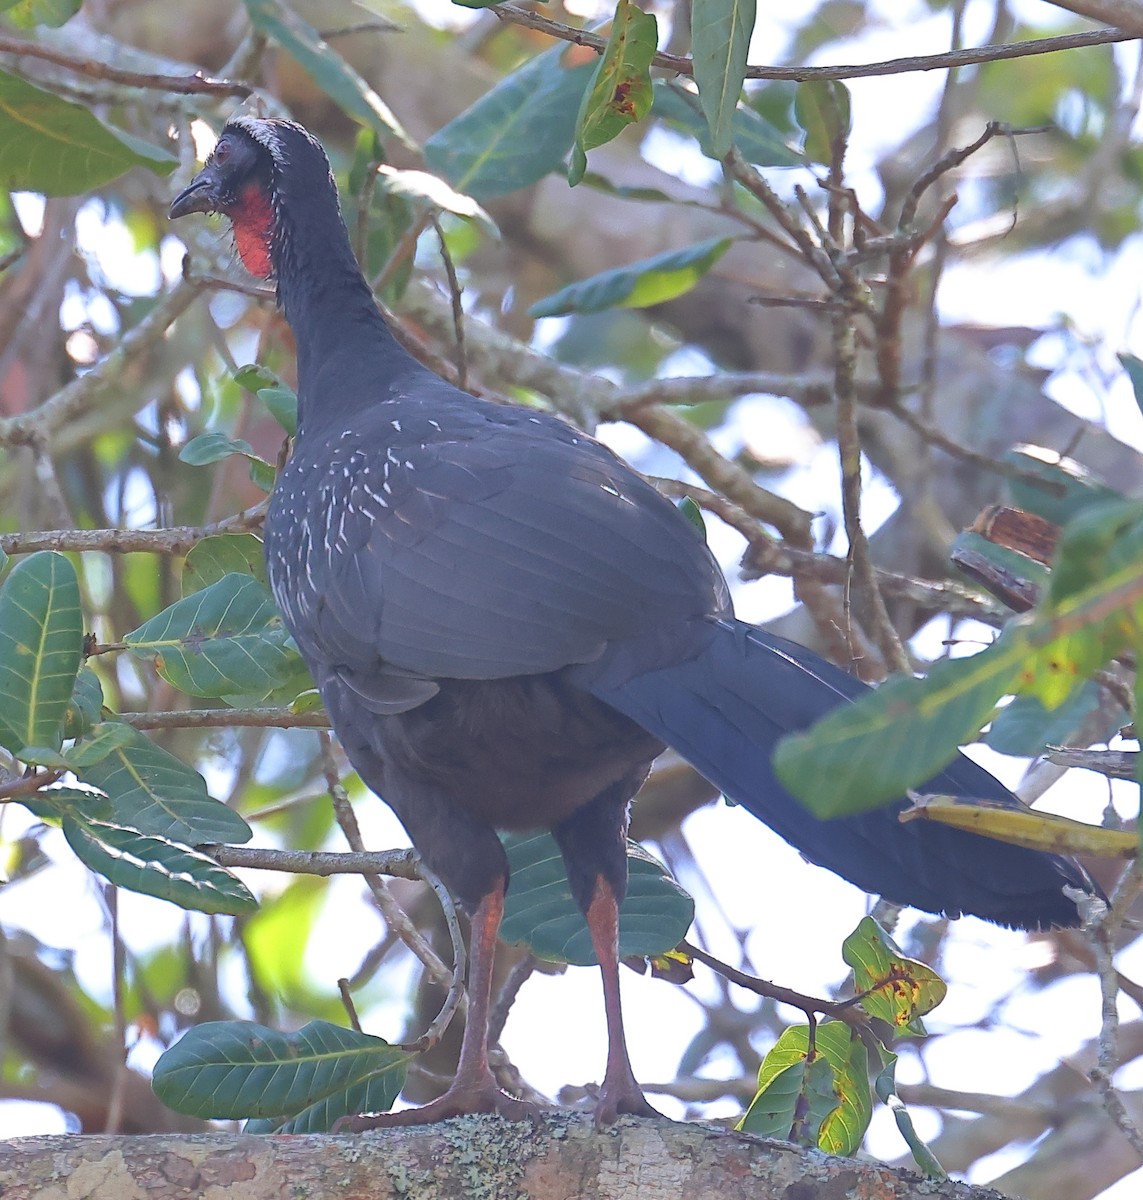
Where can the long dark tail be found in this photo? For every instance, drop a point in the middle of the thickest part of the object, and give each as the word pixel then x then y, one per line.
pixel 725 709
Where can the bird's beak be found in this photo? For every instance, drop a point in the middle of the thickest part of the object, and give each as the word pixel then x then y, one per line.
pixel 200 196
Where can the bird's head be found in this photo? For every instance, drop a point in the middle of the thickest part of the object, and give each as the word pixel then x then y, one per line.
pixel 255 163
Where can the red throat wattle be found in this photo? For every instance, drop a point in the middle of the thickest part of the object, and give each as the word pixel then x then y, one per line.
pixel 253 222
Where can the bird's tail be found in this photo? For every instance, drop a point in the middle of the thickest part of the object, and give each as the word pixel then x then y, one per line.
pixel 725 709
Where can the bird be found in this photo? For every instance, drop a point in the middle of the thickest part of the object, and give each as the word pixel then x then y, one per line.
pixel 508 624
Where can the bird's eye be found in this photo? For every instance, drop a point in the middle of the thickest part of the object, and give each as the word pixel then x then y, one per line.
pixel 221 150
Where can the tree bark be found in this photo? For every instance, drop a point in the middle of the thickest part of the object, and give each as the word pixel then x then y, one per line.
pixel 562 1158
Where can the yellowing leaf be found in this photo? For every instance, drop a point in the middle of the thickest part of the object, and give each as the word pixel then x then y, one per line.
pixel 620 90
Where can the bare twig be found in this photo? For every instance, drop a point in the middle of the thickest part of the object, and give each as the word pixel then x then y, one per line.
pixel 396 917
pixel 722 475
pixel 894 66
pixel 1103 943
pixel 1115 764
pixel 28 785
pixel 177 539
pixel 517 977
pixel 182 85
pixel 225 718
pixel 849 451
pixel 401 864
pixel 454 291
pixel 936 437
pixel 841 1010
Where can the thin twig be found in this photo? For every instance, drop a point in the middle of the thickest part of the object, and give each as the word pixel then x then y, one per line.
pixel 1103 943
pixel 786 217
pixel 723 476
pixel 849 451
pixel 177 540
pixel 517 977
pixel 841 1010
pixel 681 65
pixel 454 291
pixel 936 437
pixel 396 917
pixel 400 864
pixel 225 718
pixel 28 785
pixel 183 85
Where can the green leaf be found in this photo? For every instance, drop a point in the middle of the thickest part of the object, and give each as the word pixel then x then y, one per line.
pixel 1134 368
pixel 649 281
pixel 798 1095
pixel 693 513
pixel 41 647
pixel 307 702
pixel 212 447
pixel 758 141
pixel 423 188
pixel 253 377
pixel 42 756
pixel 262 474
pixel 223 554
pixel 821 108
pixel 720 40
pixel 28 14
pixel 280 400
pixel 153 792
pixel 156 867
pixel 895 738
pixel 55 802
pixel 899 990
pixel 58 148
pixel 1068 487
pixel 514 134
pixel 282 404
pixel 302 1082
pixel 1102 532
pixel 227 639
pixel 85 707
pixel 1025 727
pixel 98 743
pixel 539 910
pixel 326 67
pixel 620 89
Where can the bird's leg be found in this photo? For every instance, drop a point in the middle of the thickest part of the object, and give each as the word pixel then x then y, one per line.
pixel 473 1089
pixel 620 1092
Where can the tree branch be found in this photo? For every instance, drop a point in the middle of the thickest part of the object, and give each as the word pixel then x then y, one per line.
pixel 182 85
pixel 682 65
pixel 463 1157
pixel 26 428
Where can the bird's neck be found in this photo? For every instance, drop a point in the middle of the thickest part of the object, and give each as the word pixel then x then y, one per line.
pixel 346 353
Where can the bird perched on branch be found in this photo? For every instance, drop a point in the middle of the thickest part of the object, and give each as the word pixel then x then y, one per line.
pixel 507 624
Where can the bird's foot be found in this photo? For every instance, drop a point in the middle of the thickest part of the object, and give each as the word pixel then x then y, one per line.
pixel 618 1097
pixel 461 1099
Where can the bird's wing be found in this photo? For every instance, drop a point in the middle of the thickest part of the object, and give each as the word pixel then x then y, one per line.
pixel 507 544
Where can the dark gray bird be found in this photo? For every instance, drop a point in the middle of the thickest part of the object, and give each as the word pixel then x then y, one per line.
pixel 507 625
